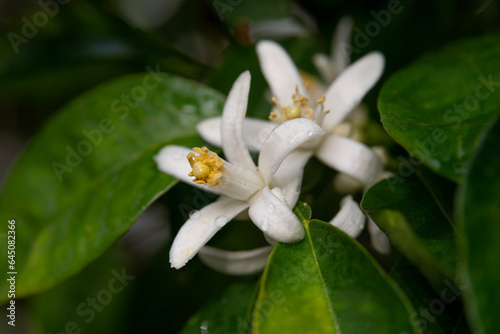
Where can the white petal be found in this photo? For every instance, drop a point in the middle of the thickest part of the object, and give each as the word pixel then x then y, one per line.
pixel 350 87
pixel 274 217
pixel 255 132
pixel 350 157
pixel 289 176
pixel 280 71
pixel 210 130
pixel 379 240
pixel 341 44
pixel 172 160
pixel 238 182
pixel 233 143
pixel 235 263
pixel 270 240
pixel 284 139
pixel 350 218
pixel 201 227
pixel 323 64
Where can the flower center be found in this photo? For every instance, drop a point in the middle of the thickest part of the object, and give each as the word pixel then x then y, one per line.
pixel 301 108
pixel 207 167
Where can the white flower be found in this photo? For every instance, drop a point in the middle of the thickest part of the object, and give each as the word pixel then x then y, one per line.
pixel 240 183
pixel 292 101
pixel 330 67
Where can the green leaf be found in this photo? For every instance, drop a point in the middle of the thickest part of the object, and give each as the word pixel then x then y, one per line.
pixel 478 211
pixel 90 172
pixel 303 211
pixel 229 313
pixel 327 283
pixel 434 313
pixel 414 212
pixel 437 107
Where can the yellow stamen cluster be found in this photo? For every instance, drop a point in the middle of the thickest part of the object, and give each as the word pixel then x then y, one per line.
pixel 207 166
pixel 286 113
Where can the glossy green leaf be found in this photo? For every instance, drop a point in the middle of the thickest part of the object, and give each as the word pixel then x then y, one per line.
pixel 434 312
pixel 327 283
pixel 479 213
pixel 230 313
pixel 414 212
pixel 437 107
pixel 89 173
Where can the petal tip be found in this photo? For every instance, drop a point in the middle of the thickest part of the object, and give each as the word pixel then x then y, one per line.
pixel 377 59
pixel 176 262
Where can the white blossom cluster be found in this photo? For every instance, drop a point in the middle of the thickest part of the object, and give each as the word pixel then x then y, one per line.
pixel 305 121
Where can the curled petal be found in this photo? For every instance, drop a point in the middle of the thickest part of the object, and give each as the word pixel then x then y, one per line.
pixel 255 132
pixel 379 240
pixel 172 160
pixel 235 263
pixel 350 218
pixel 284 139
pixel 350 157
pixel 273 216
pixel 280 71
pixel 201 227
pixel 351 86
pixel 289 176
pixel 233 143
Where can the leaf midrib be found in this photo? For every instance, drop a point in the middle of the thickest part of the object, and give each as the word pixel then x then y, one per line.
pixel 322 279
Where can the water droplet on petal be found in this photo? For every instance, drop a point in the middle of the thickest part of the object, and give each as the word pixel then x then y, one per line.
pixel 310 133
pixel 195 214
pixel 270 208
pixel 220 221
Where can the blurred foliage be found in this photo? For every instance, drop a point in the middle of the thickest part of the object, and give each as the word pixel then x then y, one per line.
pixel 477 204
